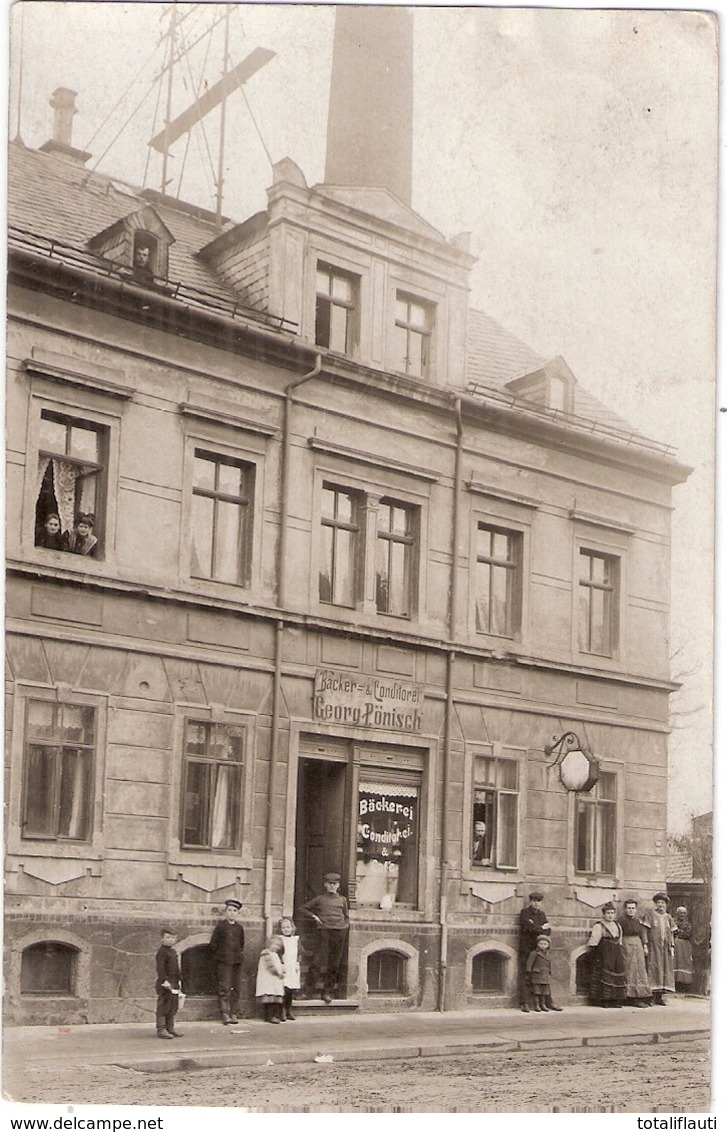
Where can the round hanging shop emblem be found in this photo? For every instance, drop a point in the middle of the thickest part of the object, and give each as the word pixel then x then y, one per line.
pixel 578 769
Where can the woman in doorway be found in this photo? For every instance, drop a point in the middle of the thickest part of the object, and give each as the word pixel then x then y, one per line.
pixel 608 964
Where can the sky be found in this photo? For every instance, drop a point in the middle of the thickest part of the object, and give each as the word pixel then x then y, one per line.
pixel 577 147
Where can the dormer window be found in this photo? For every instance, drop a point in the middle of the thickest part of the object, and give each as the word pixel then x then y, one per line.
pixel 412 334
pixel 139 243
pixel 551 386
pixel 336 309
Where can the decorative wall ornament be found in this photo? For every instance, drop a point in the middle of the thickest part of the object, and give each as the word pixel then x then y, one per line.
pixel 493 893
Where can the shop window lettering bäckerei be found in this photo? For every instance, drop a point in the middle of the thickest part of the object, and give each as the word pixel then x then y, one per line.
pixel 393 705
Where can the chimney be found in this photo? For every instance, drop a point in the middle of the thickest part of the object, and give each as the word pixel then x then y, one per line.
pixel 63 102
pixel 369 140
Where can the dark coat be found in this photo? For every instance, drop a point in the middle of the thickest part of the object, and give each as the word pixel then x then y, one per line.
pixel 227 943
pixel 531 922
pixel 167 962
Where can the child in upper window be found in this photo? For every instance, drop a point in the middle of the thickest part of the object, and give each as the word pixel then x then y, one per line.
pixel 269 986
pixel 50 535
pixel 82 539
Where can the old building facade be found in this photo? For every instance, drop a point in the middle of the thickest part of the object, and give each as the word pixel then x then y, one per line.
pixel 360 558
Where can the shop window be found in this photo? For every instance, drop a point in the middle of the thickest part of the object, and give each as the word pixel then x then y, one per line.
pixel 489 972
pixel 495 813
pixel 212 792
pixel 336 309
pixel 341 535
pixel 72 461
pixel 386 973
pixel 58 767
pixel 598 603
pixel 596 827
pixel 222 505
pixel 395 557
pixel 199 975
pixel 412 335
pixel 498 581
pixel 48 968
pixel 387 843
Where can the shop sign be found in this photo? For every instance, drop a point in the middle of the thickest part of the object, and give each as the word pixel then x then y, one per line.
pixel 367 701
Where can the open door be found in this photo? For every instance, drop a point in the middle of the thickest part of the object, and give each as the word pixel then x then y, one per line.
pixel 321 834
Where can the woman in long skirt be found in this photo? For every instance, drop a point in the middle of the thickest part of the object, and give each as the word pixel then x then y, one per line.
pixel 635 944
pixel 683 962
pixel 608 964
pixel 660 928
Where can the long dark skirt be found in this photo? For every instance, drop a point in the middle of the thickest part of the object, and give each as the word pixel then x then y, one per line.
pixel 608 972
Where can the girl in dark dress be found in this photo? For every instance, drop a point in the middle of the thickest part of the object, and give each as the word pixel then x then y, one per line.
pixel 608 965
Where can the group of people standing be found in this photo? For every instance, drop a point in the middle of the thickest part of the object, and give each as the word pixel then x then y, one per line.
pixel 279 964
pixel 635 958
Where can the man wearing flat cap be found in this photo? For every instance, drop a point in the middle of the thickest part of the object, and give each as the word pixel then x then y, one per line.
pixel 227 945
pixel 329 913
pixel 532 922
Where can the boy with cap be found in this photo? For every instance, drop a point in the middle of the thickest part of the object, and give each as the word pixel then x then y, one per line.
pixel 168 985
pixel 227 945
pixel 329 912
pixel 532 923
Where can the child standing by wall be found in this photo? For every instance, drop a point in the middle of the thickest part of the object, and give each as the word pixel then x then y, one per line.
pixel 168 985
pixel 538 973
pixel 291 966
pixel 269 987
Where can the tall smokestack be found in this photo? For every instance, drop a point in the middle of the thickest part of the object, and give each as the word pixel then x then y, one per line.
pixel 369 139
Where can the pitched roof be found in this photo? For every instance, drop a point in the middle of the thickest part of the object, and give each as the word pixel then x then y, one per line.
pixel 679 866
pixel 64 201
pixel 495 358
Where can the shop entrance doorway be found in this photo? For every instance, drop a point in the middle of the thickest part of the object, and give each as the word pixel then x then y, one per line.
pixel 322 834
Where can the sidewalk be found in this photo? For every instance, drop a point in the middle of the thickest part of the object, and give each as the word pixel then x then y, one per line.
pixel 362 1037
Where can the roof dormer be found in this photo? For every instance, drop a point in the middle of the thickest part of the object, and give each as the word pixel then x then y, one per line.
pixel 551 386
pixel 140 242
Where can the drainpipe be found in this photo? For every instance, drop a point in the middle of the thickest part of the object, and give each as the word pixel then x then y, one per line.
pixel 274 732
pixel 277 675
pixel 285 476
pixel 448 716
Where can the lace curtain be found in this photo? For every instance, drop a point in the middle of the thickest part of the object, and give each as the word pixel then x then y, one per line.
pixel 65 479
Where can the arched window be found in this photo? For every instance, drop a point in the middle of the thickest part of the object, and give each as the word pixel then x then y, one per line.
pixel 489 970
pixel 198 971
pixel 48 968
pixel 583 973
pixel 386 972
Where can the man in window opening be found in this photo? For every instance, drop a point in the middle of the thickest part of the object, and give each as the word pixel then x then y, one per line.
pixel 480 855
pixel 227 945
pixel 329 912
pixel 532 923
pixel 81 539
pixel 142 270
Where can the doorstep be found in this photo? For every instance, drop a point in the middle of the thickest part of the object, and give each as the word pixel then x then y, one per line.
pixel 311 1006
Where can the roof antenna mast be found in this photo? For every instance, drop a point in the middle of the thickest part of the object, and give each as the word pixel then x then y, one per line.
pixel 172 33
